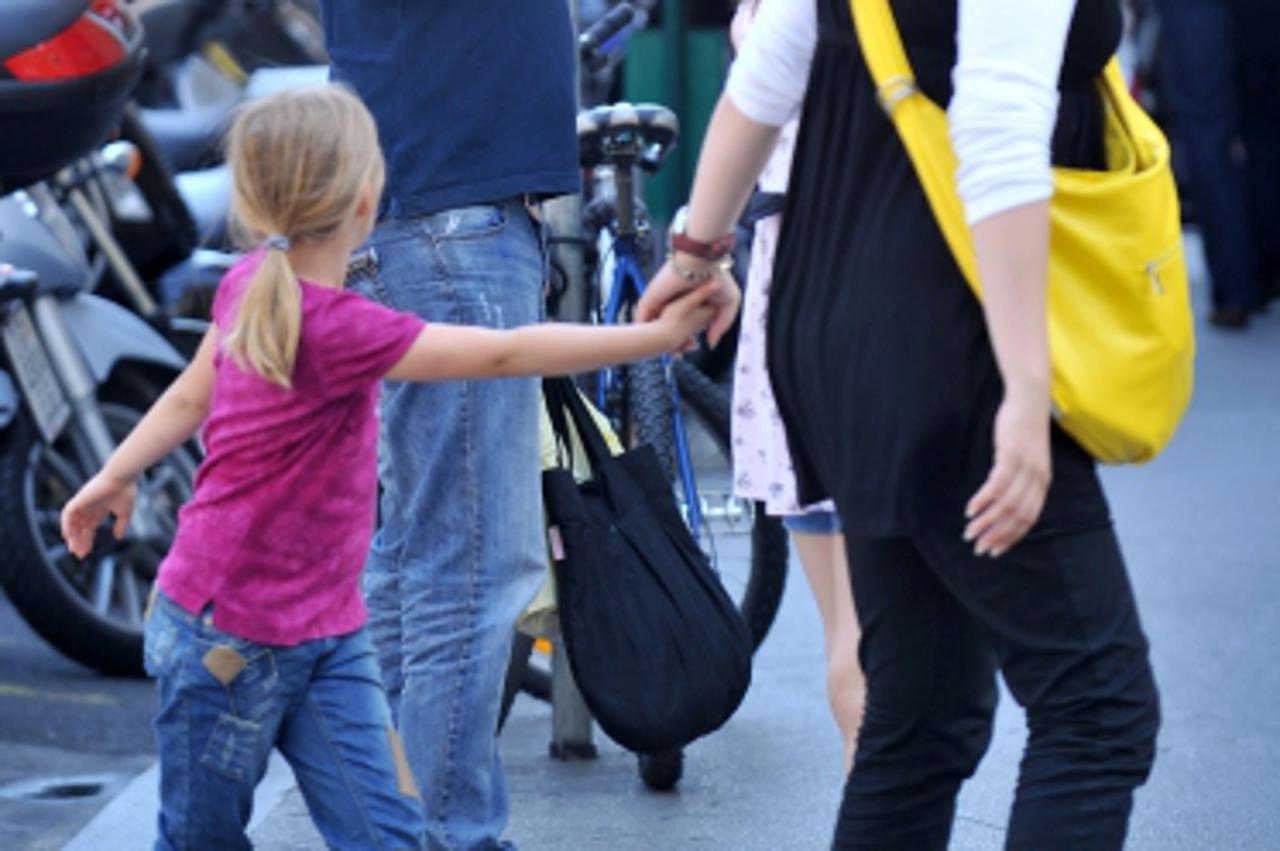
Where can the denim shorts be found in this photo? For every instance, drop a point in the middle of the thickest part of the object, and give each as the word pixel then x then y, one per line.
pixel 813 523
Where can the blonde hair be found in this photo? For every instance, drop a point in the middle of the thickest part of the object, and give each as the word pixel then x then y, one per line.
pixel 300 160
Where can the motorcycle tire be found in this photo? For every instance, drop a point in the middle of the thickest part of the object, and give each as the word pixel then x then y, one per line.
pixel 92 610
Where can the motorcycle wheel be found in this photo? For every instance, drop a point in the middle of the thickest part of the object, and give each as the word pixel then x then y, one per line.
pixel 90 610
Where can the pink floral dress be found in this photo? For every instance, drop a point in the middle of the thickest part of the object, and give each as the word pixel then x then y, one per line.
pixel 762 468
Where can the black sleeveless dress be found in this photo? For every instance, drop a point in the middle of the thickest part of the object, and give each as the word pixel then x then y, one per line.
pixel 878 351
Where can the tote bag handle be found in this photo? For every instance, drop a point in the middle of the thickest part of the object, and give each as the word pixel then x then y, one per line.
pixel 560 396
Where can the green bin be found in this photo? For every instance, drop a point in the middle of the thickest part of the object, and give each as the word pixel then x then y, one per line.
pixel 681 68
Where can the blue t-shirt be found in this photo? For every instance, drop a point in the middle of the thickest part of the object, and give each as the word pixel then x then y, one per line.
pixel 474 99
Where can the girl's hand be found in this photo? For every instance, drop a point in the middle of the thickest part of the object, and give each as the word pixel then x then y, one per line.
pixel 1010 501
pixel 688 315
pixel 667 286
pixel 100 496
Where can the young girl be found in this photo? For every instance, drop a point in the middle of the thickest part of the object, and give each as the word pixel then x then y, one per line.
pixel 257 635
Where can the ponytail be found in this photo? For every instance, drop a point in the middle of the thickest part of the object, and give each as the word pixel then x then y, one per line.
pixel 300 160
pixel 264 336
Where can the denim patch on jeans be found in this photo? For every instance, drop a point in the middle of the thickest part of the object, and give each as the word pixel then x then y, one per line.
pixel 818 522
pixel 226 702
pixel 459 551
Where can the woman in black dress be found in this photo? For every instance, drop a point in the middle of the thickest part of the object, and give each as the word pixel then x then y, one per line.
pixel 978 535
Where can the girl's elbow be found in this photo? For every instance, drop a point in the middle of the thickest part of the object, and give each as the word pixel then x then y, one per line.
pixel 193 405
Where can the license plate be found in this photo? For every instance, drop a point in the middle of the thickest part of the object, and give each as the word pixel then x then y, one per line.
pixel 30 363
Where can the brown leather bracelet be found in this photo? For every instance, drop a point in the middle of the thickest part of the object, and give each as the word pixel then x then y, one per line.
pixel 713 250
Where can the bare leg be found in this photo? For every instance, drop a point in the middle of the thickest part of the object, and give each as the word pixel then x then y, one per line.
pixel 827 568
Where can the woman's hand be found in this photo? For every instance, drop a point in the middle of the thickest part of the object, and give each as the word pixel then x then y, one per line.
pixel 1009 502
pixel 668 285
pixel 688 314
pixel 100 496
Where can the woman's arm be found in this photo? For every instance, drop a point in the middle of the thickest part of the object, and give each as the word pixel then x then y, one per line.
pixel 765 89
pixel 1012 249
pixel 446 352
pixel 1001 119
pixel 170 422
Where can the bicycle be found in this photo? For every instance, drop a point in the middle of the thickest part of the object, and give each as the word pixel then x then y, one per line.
pixel 665 402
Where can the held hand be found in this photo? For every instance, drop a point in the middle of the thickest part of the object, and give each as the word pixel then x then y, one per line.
pixel 668 285
pixel 1009 502
pixel 85 512
pixel 687 315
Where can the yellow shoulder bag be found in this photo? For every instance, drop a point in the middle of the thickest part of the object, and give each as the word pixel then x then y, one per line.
pixel 1120 328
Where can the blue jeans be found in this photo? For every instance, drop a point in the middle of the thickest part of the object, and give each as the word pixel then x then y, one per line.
pixel 226 702
pixel 1256 25
pixel 459 552
pixel 1199 81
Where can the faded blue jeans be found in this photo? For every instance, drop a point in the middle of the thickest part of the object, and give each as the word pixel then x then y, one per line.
pixel 1199 81
pixel 226 702
pixel 459 550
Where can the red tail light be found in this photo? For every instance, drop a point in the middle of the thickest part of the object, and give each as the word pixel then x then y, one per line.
pixel 92 44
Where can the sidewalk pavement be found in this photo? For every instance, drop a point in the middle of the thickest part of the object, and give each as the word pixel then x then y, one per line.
pixel 1201 530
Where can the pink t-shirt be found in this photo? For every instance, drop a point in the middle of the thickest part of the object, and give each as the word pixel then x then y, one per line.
pixel 277 531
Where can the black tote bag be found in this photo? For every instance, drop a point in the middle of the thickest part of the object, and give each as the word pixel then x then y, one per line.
pixel 656 646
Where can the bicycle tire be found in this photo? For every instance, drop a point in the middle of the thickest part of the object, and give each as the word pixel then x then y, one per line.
pixel 523 676
pixel 661 771
pixel 649 401
pixel 517 672
pixel 709 404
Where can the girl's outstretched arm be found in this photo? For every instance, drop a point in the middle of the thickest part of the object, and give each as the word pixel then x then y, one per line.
pixel 172 420
pixel 446 352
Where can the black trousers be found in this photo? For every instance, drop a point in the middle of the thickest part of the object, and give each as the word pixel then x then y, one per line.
pixel 1056 617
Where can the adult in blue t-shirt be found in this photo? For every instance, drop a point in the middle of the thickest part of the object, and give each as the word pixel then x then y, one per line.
pixel 475 109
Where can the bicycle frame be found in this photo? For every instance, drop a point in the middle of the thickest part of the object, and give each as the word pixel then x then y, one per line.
pixel 628 283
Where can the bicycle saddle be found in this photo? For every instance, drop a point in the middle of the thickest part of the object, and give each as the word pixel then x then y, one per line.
pixel 29 22
pixel 604 130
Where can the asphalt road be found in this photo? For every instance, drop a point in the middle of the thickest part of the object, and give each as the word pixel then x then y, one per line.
pixel 69 739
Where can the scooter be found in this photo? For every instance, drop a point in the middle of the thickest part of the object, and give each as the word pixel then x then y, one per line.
pixel 205 58
pixel 77 371
pixel 208 56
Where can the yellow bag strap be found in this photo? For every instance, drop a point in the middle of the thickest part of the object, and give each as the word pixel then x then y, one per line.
pixel 910 110
pixel 901 99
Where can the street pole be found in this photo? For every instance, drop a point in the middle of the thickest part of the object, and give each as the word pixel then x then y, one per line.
pixel 571 724
pixel 563 216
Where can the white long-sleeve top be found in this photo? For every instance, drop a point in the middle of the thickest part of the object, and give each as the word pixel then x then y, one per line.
pixel 1005 100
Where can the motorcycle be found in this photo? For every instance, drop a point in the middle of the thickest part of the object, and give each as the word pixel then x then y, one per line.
pixel 211 55
pixel 205 58
pixel 77 371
